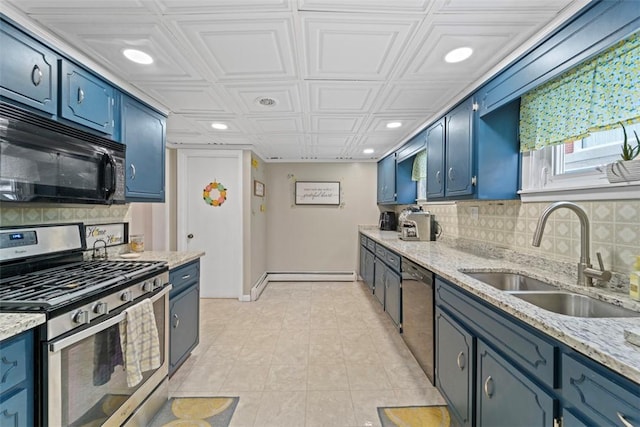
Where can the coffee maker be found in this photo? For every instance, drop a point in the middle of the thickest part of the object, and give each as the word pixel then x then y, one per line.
pixel 388 221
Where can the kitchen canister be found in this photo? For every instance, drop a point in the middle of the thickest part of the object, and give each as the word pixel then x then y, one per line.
pixel 136 241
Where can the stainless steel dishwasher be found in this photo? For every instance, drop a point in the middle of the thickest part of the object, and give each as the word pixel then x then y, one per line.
pixel 418 315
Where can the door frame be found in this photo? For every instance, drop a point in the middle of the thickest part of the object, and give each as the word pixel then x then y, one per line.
pixel 181 200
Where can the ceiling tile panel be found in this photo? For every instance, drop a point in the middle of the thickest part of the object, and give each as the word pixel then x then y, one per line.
pixel 332 140
pixel 340 124
pixel 242 48
pixel 221 6
pixel 280 124
pixel 285 95
pixel 342 97
pixel 192 98
pixel 416 97
pixel 353 47
pixel 81 7
pixel 378 124
pixel 376 6
pixel 455 6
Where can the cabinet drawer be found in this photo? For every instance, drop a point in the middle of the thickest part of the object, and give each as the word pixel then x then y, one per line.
pixel 363 240
pixel 532 352
pixel 371 245
pixel 184 275
pixel 16 410
pixel 601 399
pixel 393 260
pixel 381 252
pixel 16 360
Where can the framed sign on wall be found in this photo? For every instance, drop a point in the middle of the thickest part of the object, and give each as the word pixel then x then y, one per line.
pixel 258 188
pixel 318 193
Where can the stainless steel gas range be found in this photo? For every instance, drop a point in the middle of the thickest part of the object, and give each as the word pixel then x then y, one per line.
pixel 81 350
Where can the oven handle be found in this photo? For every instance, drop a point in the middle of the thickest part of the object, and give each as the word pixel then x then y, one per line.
pixel 70 340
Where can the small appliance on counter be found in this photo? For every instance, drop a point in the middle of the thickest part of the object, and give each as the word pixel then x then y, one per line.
pixel 388 221
pixel 418 226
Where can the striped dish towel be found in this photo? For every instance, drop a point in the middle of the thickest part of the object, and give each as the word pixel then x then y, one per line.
pixel 140 343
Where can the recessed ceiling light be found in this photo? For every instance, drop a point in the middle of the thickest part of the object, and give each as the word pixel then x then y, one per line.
pixel 458 55
pixel 138 56
pixel 219 126
pixel 393 125
pixel 265 101
pixel 368 151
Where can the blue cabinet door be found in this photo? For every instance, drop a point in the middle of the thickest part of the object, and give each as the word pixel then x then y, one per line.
pixel 184 312
pixel 459 150
pixel 143 131
pixel 387 179
pixel 506 397
pixel 454 367
pixel 369 268
pixel 16 380
pixel 86 99
pixel 393 295
pixel 28 70
pixel 435 160
pixel 378 278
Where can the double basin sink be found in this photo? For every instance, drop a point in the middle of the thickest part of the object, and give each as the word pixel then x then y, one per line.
pixel 549 297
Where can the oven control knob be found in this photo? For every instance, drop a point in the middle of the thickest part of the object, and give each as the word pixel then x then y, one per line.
pixel 157 283
pixel 147 287
pixel 125 296
pixel 80 317
pixel 100 308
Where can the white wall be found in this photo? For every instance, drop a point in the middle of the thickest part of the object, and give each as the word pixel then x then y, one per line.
pixel 318 238
pixel 254 221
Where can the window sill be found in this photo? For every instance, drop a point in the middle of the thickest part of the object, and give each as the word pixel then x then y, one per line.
pixel 617 191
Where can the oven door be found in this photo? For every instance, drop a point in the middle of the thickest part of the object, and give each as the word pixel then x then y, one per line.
pixel 82 390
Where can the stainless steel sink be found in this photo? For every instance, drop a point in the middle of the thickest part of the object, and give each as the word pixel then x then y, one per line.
pixel 575 305
pixel 511 281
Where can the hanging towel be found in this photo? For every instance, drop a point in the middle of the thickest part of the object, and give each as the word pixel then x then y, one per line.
pixel 107 354
pixel 140 343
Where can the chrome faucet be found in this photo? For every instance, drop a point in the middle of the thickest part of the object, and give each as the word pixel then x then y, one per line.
pixel 586 273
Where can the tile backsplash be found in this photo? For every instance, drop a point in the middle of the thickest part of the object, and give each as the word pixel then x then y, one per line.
pixel 52 214
pixel 615 228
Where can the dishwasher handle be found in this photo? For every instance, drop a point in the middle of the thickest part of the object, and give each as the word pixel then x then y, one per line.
pixel 422 274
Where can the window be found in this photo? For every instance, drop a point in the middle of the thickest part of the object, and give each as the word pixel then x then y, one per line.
pixel 574 165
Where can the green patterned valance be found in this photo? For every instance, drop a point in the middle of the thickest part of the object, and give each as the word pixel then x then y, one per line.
pixel 592 96
pixel 419 170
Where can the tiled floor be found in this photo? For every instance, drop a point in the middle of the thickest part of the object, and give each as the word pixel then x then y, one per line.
pixel 305 354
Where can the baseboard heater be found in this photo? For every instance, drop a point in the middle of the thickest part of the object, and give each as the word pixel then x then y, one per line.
pixel 300 276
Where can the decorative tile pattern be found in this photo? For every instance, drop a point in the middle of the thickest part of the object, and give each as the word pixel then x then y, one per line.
pixel 511 224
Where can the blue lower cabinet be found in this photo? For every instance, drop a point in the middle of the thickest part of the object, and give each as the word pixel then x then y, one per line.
pixel 506 397
pixel 16 380
pixel 184 313
pixel 571 420
pixel 454 367
pixel 369 268
pixel 379 286
pixel 393 295
pixel 603 397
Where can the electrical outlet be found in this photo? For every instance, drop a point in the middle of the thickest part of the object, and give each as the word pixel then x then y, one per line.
pixel 474 212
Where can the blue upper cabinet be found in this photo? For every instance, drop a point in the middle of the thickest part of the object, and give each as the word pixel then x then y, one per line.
pixel 435 160
pixel 459 150
pixel 28 69
pixel 598 27
pixel 86 99
pixel 143 130
pixel 387 180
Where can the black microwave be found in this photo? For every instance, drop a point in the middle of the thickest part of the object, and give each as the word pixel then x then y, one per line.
pixel 42 160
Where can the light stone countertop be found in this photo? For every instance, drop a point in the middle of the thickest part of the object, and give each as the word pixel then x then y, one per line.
pixel 12 324
pixel 173 258
pixel 600 339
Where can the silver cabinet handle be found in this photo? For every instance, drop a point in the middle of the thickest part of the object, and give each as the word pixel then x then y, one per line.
pixel 186 276
pixel 133 171
pixel 176 321
pixel 36 75
pixel 461 360
pixel 488 387
pixel 624 420
pixel 80 95
pixel 438 177
pixel 452 175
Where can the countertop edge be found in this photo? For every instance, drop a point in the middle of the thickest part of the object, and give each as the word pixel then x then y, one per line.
pixel 12 324
pixel 173 258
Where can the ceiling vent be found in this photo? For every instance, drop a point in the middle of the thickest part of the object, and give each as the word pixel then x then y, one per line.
pixel 265 101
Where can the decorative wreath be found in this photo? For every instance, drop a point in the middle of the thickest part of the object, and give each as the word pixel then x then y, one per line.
pixel 212 188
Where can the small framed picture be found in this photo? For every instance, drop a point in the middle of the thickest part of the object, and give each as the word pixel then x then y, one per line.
pixel 258 188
